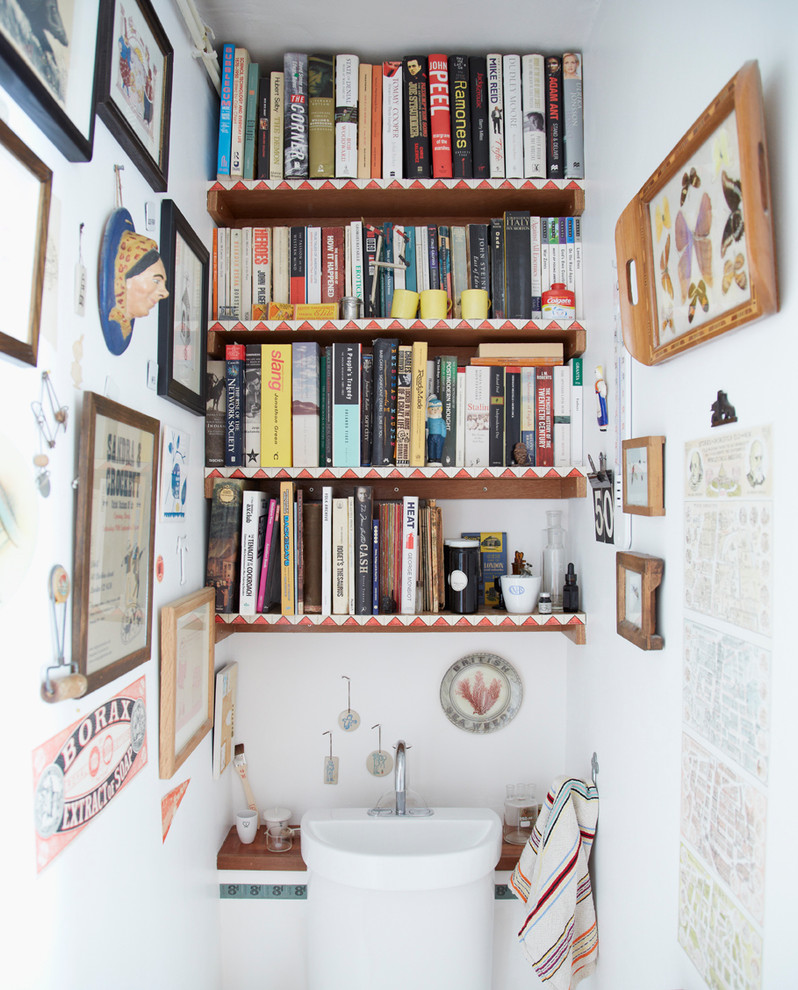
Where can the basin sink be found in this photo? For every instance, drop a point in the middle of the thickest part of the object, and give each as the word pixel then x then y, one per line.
pixel 451 847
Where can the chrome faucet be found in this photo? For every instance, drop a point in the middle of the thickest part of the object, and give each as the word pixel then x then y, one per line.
pixel 400 778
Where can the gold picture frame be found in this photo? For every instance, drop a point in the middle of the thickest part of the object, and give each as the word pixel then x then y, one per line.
pixel 643 476
pixel 695 248
pixel 637 578
pixel 187 658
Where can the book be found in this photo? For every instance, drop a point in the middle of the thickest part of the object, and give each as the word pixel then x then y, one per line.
pixel 299 552
pixel 281 266
pixel 517 265
pixel 287 548
pixel 496 246
pixel 355 266
pixel 262 137
pixel 305 370
pixel 346 92
pixel 533 100
pixel 295 115
pixel 276 124
pixel 376 121
pixel 386 278
pixel 561 418
pixel 311 551
pixel 313 273
pixel 512 413
pixel 492 564
pixel 459 257
pixel 572 117
pixel 495 115
pixel 392 117
pixel 448 396
pixel 544 417
pixel 385 355
pixel 478 101
pixel 313 311
pixel 554 149
pixel 404 391
pixel 340 556
pixel 215 412
pixel 225 110
pixel 234 285
pixel 363 550
pixel 496 417
pixel 513 350
pixel 364 113
pixel 409 553
pixel 253 534
pixel 267 586
pixel 460 113
pixel 375 565
pixel 326 549
pixel 278 311
pixel 461 417
pixel 366 408
pixel 371 237
pixel 415 109
pixel 535 276
pixel 440 120
pixel 418 406
pixel 240 80
pixel 297 262
pixel 252 399
pixel 528 376
pixel 251 118
pixel 434 257
pixel 570 256
pixel 346 404
pixel 321 117
pixel 478 256
pixel 445 260
pixel 513 117
pixel 235 358
pixel 261 272
pixel 578 272
pixel 224 542
pixel 224 717
pixel 275 426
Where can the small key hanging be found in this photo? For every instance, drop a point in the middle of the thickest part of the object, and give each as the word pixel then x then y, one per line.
pixel 348 720
pixel 379 763
pixel 330 763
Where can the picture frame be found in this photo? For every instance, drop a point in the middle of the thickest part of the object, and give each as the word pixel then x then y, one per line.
pixel 187 679
pixel 183 316
pixel 695 247
pixel 27 183
pixel 114 539
pixel 47 66
pixel 637 579
pixel 643 476
pixel 134 85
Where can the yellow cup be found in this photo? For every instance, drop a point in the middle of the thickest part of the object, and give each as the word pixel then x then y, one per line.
pixel 474 304
pixel 404 304
pixel 435 304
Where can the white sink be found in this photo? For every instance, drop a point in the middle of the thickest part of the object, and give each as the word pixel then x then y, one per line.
pixel 451 847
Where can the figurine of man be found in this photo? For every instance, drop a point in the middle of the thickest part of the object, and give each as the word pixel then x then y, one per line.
pixel 436 430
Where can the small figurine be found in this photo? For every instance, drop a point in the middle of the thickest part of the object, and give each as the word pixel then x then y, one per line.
pixel 519 565
pixel 601 398
pixel 436 430
pixel 722 410
pixel 520 453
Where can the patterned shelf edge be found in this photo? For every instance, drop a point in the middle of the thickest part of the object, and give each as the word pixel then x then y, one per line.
pixel 307 185
pixel 481 620
pixel 397 473
pixel 389 323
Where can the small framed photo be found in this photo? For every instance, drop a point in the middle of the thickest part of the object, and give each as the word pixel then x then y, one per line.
pixel 27 183
pixel 183 319
pixel 47 56
pixel 643 476
pixel 638 576
pixel 134 85
pixel 187 656
pixel 114 538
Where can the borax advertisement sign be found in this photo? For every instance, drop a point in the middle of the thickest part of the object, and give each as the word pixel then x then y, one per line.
pixel 78 772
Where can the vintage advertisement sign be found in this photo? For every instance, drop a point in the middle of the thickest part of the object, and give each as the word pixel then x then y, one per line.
pixel 81 770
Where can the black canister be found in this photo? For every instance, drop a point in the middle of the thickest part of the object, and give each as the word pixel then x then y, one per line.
pixel 461 558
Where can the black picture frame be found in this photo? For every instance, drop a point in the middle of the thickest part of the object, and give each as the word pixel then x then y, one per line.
pixel 183 317
pixel 129 103
pixel 49 70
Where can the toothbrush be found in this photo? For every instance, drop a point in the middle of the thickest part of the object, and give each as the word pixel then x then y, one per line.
pixel 240 763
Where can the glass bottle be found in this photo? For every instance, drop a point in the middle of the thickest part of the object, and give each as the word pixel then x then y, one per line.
pixel 553 558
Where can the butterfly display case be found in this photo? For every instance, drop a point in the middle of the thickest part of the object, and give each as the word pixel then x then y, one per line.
pixel 695 247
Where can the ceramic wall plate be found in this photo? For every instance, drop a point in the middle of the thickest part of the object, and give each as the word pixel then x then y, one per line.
pixel 481 692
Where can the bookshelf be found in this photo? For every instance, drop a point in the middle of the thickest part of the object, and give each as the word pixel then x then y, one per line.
pixel 240 203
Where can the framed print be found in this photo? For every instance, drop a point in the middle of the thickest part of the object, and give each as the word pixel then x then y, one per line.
pixel 27 183
pixel 47 56
pixel 638 576
pixel 134 85
pixel 183 320
pixel 112 604
pixel 187 654
pixel 481 693
pixel 695 248
pixel 643 476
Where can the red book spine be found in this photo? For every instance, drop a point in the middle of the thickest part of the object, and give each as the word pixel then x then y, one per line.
pixel 440 117
pixel 544 417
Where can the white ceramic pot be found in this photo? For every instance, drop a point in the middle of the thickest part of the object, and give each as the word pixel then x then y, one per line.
pixel 520 592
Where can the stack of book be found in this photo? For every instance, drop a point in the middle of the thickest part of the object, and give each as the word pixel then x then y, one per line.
pixel 420 116
pixel 303 271
pixel 302 404
pixel 338 556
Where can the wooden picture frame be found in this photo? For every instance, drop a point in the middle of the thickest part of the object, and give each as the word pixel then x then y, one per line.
pixel 27 183
pixel 643 476
pixel 695 248
pixel 134 85
pixel 637 578
pixel 187 658
pixel 47 66
pixel 183 317
pixel 114 539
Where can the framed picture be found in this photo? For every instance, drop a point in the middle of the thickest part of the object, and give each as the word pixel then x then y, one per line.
pixel 27 184
pixel 134 85
pixel 643 471
pixel 183 319
pixel 47 55
pixel 187 654
pixel 695 246
pixel 638 576
pixel 113 569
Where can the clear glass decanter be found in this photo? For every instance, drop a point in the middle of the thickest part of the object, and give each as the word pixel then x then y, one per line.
pixel 553 561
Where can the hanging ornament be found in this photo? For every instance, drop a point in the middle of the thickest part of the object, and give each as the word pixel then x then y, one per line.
pixel 330 763
pixel 379 763
pixel 348 720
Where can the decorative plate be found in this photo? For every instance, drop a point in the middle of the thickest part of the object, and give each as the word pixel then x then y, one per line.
pixel 481 693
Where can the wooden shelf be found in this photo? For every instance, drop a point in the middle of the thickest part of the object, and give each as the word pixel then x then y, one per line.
pixel 234 855
pixel 242 203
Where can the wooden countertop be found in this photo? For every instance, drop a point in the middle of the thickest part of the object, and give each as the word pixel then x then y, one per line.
pixel 235 855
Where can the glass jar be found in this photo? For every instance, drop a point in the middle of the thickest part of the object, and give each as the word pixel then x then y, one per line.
pixel 553 561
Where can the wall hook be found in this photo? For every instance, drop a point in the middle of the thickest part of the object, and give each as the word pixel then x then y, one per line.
pixel 330 763
pixel 594 768
pixel 348 720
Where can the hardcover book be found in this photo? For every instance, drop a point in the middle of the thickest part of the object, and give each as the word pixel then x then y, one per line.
pixel 480 129
pixel 224 542
pixel 496 235
pixel 224 717
pixel 404 396
pixel 384 351
pixel 321 117
pixel 215 412
pixel 544 417
pixel 240 80
pixel 305 365
pixel 262 141
pixel 440 117
pixel 416 117
pixel 409 553
pixel 573 125
pixel 512 412
pixel 478 256
pixel 295 115
pixel 536 278
pixel 363 549
pixel 346 404
pixel 287 548
pixel 268 587
pixel 517 265
pixel 252 399
pixel 448 396
pixel 235 358
pixel 459 257
pixel 225 111
pixel 392 116
pixel 496 417
pixel 554 149
pixel 346 90
pixel 528 376
pixel 460 97
pixel 297 265
pixel 496 115
pixel 253 535
pixel 513 118
pixel 533 96
pixel 418 407
pixel 275 427
pixel 366 408
pixel 276 124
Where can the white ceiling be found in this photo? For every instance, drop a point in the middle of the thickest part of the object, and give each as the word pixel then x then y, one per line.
pixel 377 31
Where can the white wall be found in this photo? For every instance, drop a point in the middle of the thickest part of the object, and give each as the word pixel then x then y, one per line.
pixel 117 907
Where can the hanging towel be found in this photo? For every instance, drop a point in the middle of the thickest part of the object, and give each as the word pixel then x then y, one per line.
pixel 559 935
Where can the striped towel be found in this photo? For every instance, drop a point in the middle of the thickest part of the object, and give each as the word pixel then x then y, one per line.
pixel 559 935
